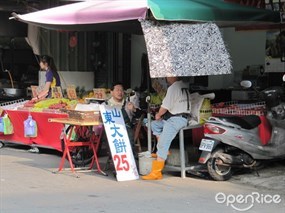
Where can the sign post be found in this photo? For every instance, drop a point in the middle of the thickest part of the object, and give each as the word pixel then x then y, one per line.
pixel 119 143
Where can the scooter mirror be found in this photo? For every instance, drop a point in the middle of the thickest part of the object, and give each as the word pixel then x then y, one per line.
pixel 246 84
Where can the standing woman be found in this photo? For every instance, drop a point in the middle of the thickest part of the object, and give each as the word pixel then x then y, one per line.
pixel 52 77
pixel 52 80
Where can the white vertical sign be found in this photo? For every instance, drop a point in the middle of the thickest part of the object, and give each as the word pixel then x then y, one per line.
pixel 119 143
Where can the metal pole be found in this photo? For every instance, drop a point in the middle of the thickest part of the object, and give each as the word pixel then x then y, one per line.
pixel 148 131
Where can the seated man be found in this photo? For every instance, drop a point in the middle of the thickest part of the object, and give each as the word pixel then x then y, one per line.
pixel 128 109
pixel 171 117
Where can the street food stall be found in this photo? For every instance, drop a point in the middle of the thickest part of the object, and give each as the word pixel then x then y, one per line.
pixel 54 123
pixel 171 32
pixel 174 21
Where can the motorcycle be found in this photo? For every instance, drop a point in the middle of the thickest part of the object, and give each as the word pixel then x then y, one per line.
pixel 233 142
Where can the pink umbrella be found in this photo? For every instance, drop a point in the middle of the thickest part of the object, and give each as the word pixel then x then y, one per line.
pixel 91 15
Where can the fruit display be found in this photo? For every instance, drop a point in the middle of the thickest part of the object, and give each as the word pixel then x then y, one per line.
pixel 86 94
pixel 55 104
pixel 29 104
pixel 52 103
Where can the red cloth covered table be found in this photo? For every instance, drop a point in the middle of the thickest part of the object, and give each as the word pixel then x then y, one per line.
pixel 48 133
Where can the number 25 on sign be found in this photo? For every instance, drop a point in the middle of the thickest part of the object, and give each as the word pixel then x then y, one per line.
pixel 121 163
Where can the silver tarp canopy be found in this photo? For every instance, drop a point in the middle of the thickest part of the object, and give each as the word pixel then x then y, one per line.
pixel 183 49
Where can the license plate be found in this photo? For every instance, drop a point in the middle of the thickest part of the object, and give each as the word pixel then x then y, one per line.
pixel 206 145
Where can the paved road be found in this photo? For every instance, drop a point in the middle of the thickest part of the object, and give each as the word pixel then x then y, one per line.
pixel 28 185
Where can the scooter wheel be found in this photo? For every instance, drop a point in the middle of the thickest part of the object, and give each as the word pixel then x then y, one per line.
pixel 218 172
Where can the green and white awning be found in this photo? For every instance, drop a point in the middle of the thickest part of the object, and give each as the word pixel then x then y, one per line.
pixel 209 10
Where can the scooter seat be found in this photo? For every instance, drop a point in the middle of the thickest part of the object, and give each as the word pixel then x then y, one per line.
pixel 246 122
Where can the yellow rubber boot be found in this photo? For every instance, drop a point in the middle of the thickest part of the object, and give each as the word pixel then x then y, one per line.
pixel 155 173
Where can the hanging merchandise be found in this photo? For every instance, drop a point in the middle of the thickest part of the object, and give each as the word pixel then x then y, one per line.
pixel 1 125
pixel 7 125
pixel 30 127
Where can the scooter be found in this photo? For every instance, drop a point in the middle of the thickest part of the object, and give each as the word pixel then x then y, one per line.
pixel 233 142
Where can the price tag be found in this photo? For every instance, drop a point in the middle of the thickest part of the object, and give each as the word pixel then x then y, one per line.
pixel 119 143
pixel 100 93
pixel 35 91
pixel 71 92
pixel 56 92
